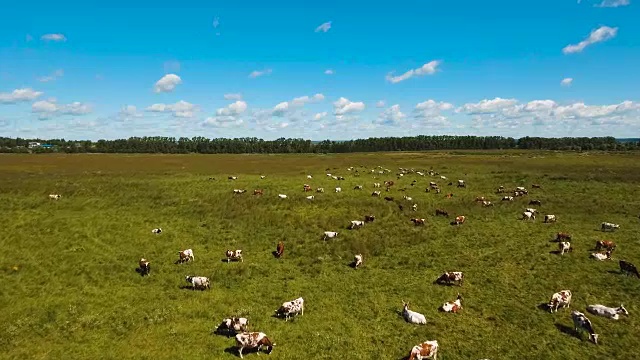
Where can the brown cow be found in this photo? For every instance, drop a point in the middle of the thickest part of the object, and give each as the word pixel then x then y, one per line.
pixel 307 187
pixel 442 212
pixel 459 220
pixel 605 244
pixel 253 340
pixel 257 192
pixel 426 350
pixel 449 196
pixel 418 222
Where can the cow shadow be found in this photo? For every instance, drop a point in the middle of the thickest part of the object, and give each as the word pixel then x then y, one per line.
pixel 234 351
pixel 543 306
pixel 615 272
pixel 566 330
pixel 555 252
pixel 225 260
pixel 189 287
pixel 352 265
pixel 275 254
pixel 141 272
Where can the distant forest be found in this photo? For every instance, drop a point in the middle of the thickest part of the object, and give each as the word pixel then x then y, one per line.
pixel 183 145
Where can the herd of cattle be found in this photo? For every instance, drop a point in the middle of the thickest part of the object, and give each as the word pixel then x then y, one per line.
pixel 255 341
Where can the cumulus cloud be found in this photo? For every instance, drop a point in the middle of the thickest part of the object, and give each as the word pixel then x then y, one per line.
pixel 329 72
pixel 233 96
pixel 487 106
pixel 324 27
pixel 600 34
pixel 53 37
pixel 613 3
pixel 129 111
pixel 181 109
pixel 50 108
pixel 286 107
pixel 566 82
pixel 429 114
pixel 320 116
pixel 167 83
pixel 53 77
pixel 345 106
pixel 429 68
pixel 229 116
pixel 391 116
pixel 254 74
pixel 19 95
pixel 380 104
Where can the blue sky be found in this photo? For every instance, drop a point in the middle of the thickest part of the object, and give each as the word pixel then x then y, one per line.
pixel 331 69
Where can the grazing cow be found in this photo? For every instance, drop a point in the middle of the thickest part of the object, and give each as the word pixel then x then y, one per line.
pixel 550 218
pixel 338 189
pixel 376 185
pixel 356 224
pixel 451 277
pixel 388 198
pixel 528 215
pixel 564 246
pixel 280 249
pixel 262 176
pixel 442 212
pixel 233 325
pixel 292 307
pixel 186 255
pixel 258 192
pixel 449 196
pixel 376 193
pixel 601 256
pixel 357 261
pixel 320 190
pixel 608 312
pixel 407 198
pixel 198 282
pixel 628 268
pixel 282 196
pixel 306 187
pixel 563 236
pixel 145 267
pixel 531 210
pixel 480 198
pixel 427 190
pixel 309 177
pixel 234 255
pixel 460 220
pixel 156 231
pixel 609 226
pixel 536 186
pixel 54 196
pixel 500 190
pixel 329 235
pixel 418 221
pixel 443 177
pixel 580 322
pixel 559 299
pixel 487 203
pixel 388 183
pixel 605 244
pixel 438 190
pixel 426 350
pixel 412 316
pixel 239 191
pixel 369 218
pixel 461 183
pixel 507 198
pixel 433 184
pixel 253 340
pixel 454 306
pixel 232 178
pixel 414 207
pixel 358 187
pixel 535 202
pixel 310 197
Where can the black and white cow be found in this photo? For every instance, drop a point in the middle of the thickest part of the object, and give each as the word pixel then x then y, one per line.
pixel 232 326
pixel 292 307
pixel 198 282
pixel 580 322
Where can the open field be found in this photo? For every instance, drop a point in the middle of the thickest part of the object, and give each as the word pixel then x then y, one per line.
pixel 69 289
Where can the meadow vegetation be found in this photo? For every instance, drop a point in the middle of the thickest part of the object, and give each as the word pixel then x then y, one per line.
pixel 69 289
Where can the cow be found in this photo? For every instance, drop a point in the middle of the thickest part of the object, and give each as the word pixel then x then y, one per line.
pixel 507 198
pixel 388 183
pixel 407 198
pixel 442 212
pixel 628 268
pixel 608 312
pixel 262 176
pixel 601 256
pixel 535 202
pixel 55 196
pixel 388 198
pixel 427 190
pixel 329 235
pixel 438 190
pixel 338 189
pixel 357 261
pixel 306 187
pixel 559 299
pixel 376 185
pixel 605 244
pixel 253 340
pixel 580 322
pixel 418 221
pixel 356 224
pixel 375 193
pixel 459 220
pixel 310 197
pixel 186 255
pixel 451 277
pixel 282 196
pixel 426 350
pixel 357 187
pixel 279 249
pixel 480 198
pixel 433 185
pixel 563 236
pixel 531 210
pixel 528 215
pixel 144 266
pixel 564 247
pixel 320 190
pixel 258 192
pixel 461 183
pixel 453 307
pixel 232 178
pixel 309 177
pixel 550 218
pixel 609 226
pixel 443 177
pixel 536 186
pixel 412 316
pixel 289 308
pixel 449 196
pixel 239 191
pixel 232 326
pixel 500 190
pixel 156 231
pixel 198 282
pixel 369 218
pixel 414 207
pixel 487 203
pixel 234 255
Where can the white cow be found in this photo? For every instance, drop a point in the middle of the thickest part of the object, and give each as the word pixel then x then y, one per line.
pixel 601 256
pixel 549 218
pixel 234 255
pixel 507 198
pixel 414 207
pixel 357 261
pixel 320 190
pixel 356 224
pixel 156 231
pixel 309 177
pixel 608 312
pixel 198 282
pixel 311 197
pixel 412 316
pixel 454 306
pixel 329 235
pixel 282 196
pixel 253 340
pixel 531 210
pixel 376 185
pixel 186 255
pixel 239 191
pixel 527 215
pixel 375 193
pixel 426 350
pixel 338 189
pixel 292 307
pixel 581 322
pixel 262 176
pixel 564 247
pixel 233 325
pixel 559 299
pixel 55 196
pixel 407 198
pixel 609 226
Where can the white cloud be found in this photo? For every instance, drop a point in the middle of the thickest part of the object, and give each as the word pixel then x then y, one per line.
pixel 329 72
pixel 487 106
pixel 600 34
pixel 232 109
pixel 19 95
pixel 56 74
pixel 566 82
pixel 429 68
pixel 380 104
pixel 49 108
pixel 434 105
pixel 233 96
pixel 613 3
pixel 428 114
pixel 228 116
pixel 391 116
pixel 130 111
pixel 324 27
pixel 344 106
pixel 254 74
pixel 286 107
pixel 320 116
pixel 53 37
pixel 167 83
pixel 181 109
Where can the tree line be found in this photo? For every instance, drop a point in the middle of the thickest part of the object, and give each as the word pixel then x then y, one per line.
pixel 183 145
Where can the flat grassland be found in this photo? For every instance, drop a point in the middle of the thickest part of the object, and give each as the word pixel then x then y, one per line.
pixel 69 289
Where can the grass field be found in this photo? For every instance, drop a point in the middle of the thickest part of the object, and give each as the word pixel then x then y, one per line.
pixel 69 289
